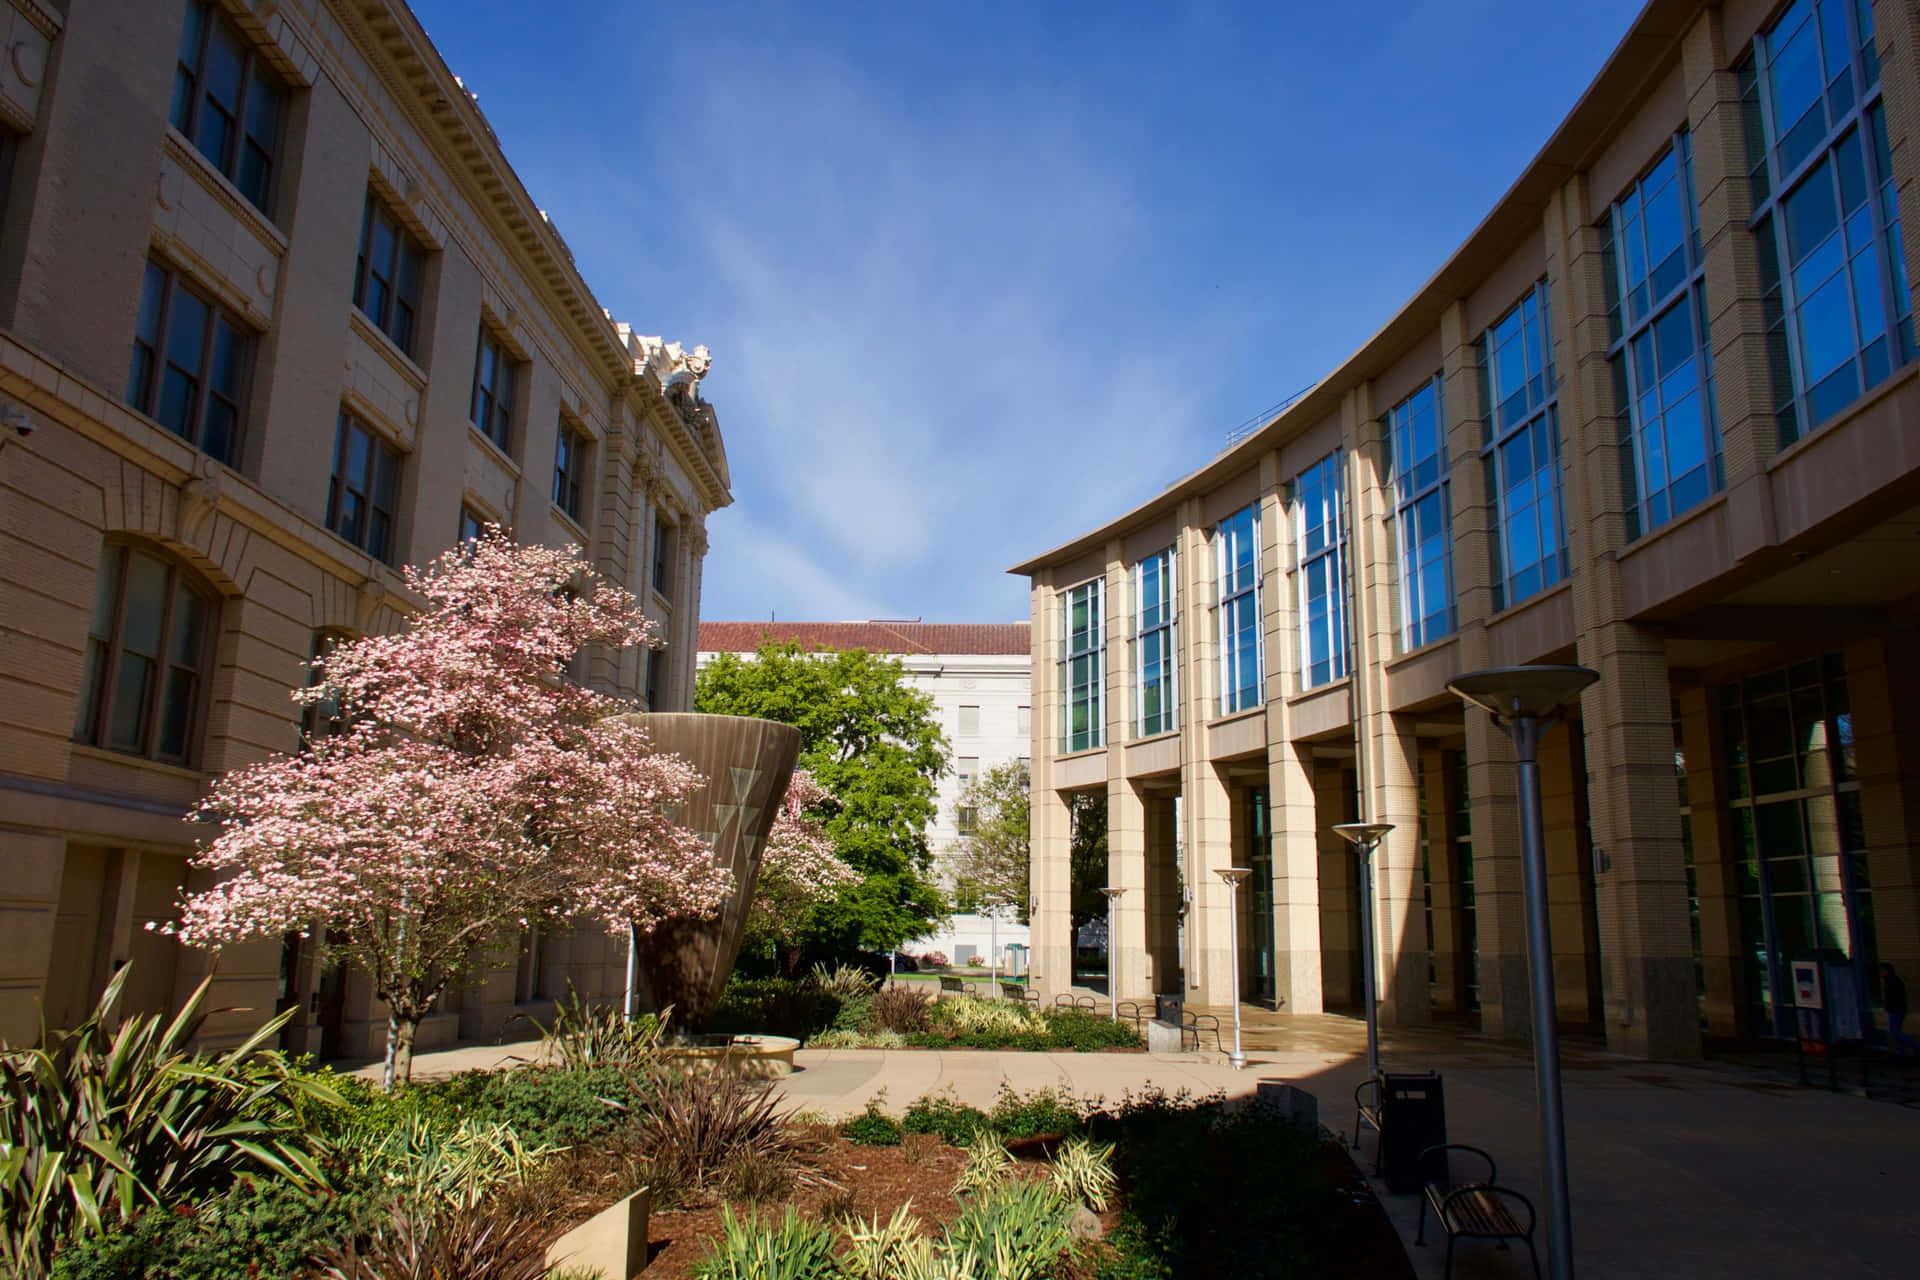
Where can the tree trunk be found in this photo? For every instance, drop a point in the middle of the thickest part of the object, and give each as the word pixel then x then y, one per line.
pixel 400 1033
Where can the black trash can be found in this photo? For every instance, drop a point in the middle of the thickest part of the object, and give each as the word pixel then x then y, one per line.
pixel 1167 1008
pixel 1413 1117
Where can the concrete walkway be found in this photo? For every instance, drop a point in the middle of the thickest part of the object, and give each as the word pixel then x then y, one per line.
pixel 1699 1171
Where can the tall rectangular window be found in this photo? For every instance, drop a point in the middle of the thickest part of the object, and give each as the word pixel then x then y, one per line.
pixel 569 468
pixel 387 274
pixel 190 364
pixel 1083 662
pixel 656 670
pixel 1523 451
pixel 1237 588
pixel 149 653
pixel 1662 366
pixel 662 556
pixel 472 524
pixel 1825 220
pixel 1423 516
pixel 966 771
pixel 1320 542
pixel 1023 721
pixel 1155 685
pixel 494 373
pixel 229 101
pixel 969 725
pixel 365 489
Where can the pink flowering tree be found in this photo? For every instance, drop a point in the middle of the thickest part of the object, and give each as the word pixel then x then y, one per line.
pixel 472 791
pixel 799 867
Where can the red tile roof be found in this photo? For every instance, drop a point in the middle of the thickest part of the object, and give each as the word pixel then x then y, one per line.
pixel 875 637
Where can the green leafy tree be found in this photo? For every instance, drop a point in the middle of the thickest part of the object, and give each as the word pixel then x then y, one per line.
pixel 871 740
pixel 994 865
pixel 1087 853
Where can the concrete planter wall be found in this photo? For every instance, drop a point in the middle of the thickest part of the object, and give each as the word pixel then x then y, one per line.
pixel 747 764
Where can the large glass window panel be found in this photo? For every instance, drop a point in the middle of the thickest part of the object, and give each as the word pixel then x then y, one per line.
pixel 1154 647
pixel 364 491
pixel 1423 514
pixel 148 649
pixel 1522 454
pixel 1083 665
pixel 1827 232
pixel 1319 500
pixel 1237 588
pixel 387 273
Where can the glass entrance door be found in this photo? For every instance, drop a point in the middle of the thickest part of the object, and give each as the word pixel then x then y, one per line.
pixel 1260 893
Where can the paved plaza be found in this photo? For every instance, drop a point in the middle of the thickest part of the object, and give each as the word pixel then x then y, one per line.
pixel 1717 1169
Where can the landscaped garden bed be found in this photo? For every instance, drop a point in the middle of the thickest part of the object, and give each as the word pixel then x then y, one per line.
pixel 123 1154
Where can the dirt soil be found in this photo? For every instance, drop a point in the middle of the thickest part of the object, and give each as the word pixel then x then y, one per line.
pixel 877 1180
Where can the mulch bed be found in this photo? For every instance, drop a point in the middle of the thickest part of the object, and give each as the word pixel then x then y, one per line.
pixel 922 1169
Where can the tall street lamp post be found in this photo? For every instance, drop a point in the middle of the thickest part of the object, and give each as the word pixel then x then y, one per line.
pixel 1525 702
pixel 1233 876
pixel 1113 954
pixel 1365 837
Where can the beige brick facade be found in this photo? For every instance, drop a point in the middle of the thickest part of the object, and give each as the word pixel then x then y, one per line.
pixel 1787 593
pixel 103 186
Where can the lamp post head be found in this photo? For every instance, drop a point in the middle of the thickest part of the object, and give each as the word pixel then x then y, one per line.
pixel 1362 835
pixel 1512 693
pixel 1112 892
pixel 1233 875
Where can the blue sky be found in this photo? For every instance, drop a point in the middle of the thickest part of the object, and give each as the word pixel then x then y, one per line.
pixel 978 277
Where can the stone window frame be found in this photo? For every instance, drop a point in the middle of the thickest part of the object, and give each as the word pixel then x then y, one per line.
pixel 395 309
pixel 379 476
pixel 158 329
pixel 178 654
pixel 261 91
pixel 496 386
pixel 572 465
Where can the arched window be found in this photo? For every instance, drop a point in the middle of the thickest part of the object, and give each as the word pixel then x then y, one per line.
pixel 149 649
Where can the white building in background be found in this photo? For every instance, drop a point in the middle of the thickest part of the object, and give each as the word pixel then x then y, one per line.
pixel 979 675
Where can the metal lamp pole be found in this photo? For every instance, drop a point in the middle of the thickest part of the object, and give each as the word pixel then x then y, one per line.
pixel 1365 837
pixel 1113 954
pixel 1525 702
pixel 1233 876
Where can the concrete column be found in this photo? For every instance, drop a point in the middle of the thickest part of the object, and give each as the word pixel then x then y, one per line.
pixel 1443 878
pixel 1499 912
pixel 1883 687
pixel 1742 379
pixel 1164 883
pixel 1713 866
pixel 1400 917
pixel 1296 876
pixel 1206 817
pixel 1570 892
pixel 1127 869
pixel 1896 36
pixel 1339 916
pixel 1052 887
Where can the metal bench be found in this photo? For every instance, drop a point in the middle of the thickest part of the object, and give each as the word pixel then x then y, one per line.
pixel 1475 1208
pixel 1018 991
pixel 950 983
pixel 1192 1024
pixel 1068 1000
pixel 1133 1011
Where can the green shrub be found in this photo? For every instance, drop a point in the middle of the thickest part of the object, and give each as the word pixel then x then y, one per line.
pixel 113 1116
pixel 855 1013
pixel 872 1128
pixel 1219 1190
pixel 265 1228
pixel 1086 1032
pixel 545 1106
pixel 1083 1172
pixel 946 1115
pixel 857 1040
pixel 972 1015
pixel 1018 1227
pixel 1042 1113
pixel 426 1240
pixel 458 1166
pixel 987 1162
pixel 697 1125
pixel 582 1037
pixel 848 982
pixel 904 1009
pixel 751 1249
pixel 774 1006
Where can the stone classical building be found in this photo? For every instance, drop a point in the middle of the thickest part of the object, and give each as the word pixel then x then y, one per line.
pixel 978 676
pixel 276 317
pixel 1659 415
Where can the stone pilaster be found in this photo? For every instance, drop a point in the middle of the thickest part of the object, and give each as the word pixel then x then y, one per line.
pixel 1883 687
pixel 1713 867
pixel 1051 833
pixel 1499 911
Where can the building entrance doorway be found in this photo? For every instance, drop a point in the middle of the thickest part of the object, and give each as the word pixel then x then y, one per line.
pixel 1260 894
